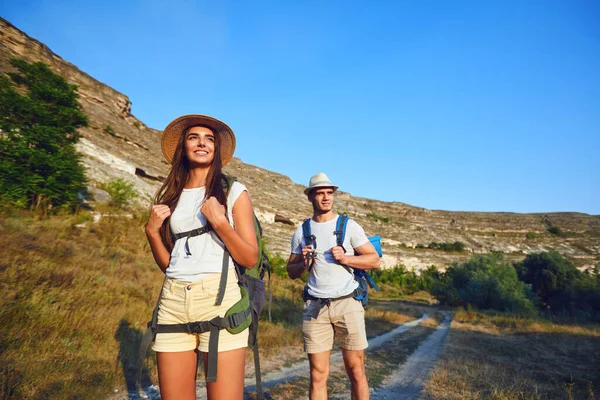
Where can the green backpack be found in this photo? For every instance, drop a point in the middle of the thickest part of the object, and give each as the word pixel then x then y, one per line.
pixel 243 314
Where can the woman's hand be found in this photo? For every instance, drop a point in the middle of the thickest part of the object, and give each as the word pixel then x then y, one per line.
pixel 213 211
pixel 158 214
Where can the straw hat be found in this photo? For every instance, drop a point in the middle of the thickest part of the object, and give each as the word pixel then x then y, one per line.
pixel 172 132
pixel 319 180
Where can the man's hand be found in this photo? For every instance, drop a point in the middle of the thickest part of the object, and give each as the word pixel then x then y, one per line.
pixel 306 253
pixel 338 254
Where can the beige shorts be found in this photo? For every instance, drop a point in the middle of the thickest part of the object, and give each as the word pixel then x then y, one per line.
pixel 345 318
pixel 183 302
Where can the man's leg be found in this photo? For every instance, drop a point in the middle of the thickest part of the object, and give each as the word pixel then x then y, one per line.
pixel 318 341
pixel 319 372
pixel 354 361
pixel 350 330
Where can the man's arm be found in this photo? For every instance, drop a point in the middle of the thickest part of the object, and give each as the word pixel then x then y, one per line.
pixel 295 266
pixel 367 257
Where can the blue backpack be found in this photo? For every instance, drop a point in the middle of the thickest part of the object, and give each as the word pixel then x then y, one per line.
pixel 365 281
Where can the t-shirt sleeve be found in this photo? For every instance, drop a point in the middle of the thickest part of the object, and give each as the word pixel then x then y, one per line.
pixel 297 242
pixel 234 193
pixel 356 233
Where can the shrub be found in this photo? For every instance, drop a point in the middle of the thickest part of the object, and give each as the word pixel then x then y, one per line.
pixel 376 217
pixel 555 230
pixel 109 130
pixel 485 282
pixel 530 236
pixel 398 276
pixel 450 247
pixel 559 284
pixel 38 129
pixel 120 191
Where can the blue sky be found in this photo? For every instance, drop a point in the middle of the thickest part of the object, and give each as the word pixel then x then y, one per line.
pixel 455 105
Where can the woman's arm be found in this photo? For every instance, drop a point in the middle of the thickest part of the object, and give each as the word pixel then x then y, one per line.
pixel 241 241
pixel 158 214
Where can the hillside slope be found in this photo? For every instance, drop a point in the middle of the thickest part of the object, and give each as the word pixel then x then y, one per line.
pixel 117 144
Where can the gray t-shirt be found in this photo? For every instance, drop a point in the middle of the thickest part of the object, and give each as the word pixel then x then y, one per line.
pixel 328 278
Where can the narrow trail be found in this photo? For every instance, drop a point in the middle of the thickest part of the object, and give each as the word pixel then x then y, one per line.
pixel 301 369
pixel 409 379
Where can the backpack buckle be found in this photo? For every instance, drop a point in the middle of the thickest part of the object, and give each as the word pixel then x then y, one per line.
pixel 198 326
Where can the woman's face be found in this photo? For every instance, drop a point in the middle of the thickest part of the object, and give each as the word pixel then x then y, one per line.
pixel 200 146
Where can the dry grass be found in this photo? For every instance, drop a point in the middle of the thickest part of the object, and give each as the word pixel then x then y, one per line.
pixel 74 303
pixel 509 357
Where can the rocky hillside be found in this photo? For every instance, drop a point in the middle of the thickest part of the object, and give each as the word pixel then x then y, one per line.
pixel 118 145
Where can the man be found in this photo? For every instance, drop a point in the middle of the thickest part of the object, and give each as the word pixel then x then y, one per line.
pixel 330 306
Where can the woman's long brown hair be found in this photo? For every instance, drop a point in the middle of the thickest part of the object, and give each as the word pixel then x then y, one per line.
pixel 172 187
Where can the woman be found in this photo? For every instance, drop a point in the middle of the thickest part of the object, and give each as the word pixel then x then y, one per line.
pixel 191 197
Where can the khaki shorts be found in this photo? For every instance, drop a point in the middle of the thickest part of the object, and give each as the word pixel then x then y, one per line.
pixel 183 302
pixel 345 318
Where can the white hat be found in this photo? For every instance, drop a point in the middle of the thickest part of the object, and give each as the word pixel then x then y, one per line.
pixel 319 180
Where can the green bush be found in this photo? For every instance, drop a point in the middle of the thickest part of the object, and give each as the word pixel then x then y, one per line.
pixel 560 285
pixel 484 282
pixel 278 265
pixel 376 217
pixel 555 230
pixel 120 191
pixel 530 236
pixel 398 276
pixel 450 247
pixel 39 118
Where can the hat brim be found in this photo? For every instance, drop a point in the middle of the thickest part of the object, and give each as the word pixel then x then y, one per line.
pixel 171 134
pixel 308 189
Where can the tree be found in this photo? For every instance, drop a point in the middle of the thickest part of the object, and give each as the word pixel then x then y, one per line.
pixel 39 118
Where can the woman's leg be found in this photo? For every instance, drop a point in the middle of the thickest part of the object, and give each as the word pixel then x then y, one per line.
pixel 230 375
pixel 177 375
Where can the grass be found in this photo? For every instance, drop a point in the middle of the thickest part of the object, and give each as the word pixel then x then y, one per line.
pixel 75 303
pixel 503 356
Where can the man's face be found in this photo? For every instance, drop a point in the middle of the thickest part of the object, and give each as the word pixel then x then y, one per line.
pixel 322 199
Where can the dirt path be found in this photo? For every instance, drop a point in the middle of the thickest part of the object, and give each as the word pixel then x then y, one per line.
pixel 408 380
pixel 301 369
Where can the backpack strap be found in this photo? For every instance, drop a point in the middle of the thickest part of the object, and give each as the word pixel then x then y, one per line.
pixel 227 184
pixel 309 239
pixel 340 230
pixel 340 235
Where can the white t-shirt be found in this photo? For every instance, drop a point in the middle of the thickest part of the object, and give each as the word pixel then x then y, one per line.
pixel 328 278
pixel 207 249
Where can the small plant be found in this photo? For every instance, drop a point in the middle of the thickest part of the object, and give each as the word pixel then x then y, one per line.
pixel 530 236
pixel 137 124
pixel 109 130
pixel 376 217
pixel 120 191
pixel 555 230
pixel 450 247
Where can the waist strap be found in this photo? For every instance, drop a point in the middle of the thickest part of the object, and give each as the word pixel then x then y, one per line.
pixel 322 302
